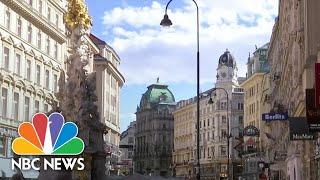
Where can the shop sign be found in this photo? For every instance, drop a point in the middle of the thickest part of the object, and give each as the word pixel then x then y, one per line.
pixel 251 131
pixel 313 113
pixel 280 156
pixel 275 116
pixel 299 129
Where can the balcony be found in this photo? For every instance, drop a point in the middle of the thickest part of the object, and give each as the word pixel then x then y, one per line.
pixel 9 122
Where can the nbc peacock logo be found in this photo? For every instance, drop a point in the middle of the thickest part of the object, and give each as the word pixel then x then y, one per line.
pixel 48 136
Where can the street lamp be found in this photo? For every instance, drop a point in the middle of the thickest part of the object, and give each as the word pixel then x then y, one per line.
pixel 228 122
pixel 166 22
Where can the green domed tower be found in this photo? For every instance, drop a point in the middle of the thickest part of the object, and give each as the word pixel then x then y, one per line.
pixel 154 132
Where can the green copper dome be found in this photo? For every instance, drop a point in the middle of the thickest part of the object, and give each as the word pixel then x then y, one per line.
pixel 157 93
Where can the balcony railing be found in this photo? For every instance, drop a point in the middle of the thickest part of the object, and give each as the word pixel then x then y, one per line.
pixel 9 121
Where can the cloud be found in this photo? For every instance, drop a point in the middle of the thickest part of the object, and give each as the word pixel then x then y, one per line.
pixel 149 51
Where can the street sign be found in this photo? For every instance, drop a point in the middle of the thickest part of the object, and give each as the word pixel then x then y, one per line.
pixel 275 116
pixel 313 113
pixel 251 131
pixel 317 82
pixel 299 129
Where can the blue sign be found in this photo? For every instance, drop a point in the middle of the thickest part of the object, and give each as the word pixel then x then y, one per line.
pixel 275 116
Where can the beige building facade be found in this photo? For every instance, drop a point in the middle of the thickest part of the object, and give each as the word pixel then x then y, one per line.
pixel 213 127
pixel 292 54
pixel 257 69
pixel 33 39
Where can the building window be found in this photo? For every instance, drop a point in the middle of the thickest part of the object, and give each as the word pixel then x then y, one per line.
pixel 224 120
pixel 49 14
pixel 56 50
pixel 29 33
pixel 16 105
pixel 38 74
pixel 130 140
pixel 223 134
pixel 17 64
pixel 55 83
pixel 46 107
pixel 36 106
pixel 40 6
pixel 4 99
pixel 212 134
pixel 240 119
pixel 39 39
pixel 212 151
pixel 48 46
pixel 6 58
pixel 208 122
pixel 240 106
pixel 47 79
pixel 223 151
pixel 2 145
pixel 26 108
pixel 30 2
pixel 57 20
pixel 204 123
pixel 19 26
pixel 8 19
pixel 28 73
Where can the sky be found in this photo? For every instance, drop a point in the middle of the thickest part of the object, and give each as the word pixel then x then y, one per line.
pixel 149 51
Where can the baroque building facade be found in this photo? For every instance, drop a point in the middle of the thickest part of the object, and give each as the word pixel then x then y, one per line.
pixel 257 69
pixel 213 127
pixel 292 55
pixel 154 131
pixel 33 43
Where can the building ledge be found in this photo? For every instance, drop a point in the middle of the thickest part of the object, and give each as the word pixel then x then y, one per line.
pixel 29 14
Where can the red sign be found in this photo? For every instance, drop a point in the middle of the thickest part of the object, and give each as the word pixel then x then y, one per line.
pixel 313 113
pixel 317 80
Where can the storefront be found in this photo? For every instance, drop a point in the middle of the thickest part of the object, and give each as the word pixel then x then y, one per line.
pixel 7 135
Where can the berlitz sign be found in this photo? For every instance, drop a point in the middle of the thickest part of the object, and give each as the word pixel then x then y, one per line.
pixel 275 116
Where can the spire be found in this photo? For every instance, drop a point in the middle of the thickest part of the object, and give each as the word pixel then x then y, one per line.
pixel 77 14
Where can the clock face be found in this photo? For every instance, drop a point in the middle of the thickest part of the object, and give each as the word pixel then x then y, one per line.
pixel 223 74
pixel 224 59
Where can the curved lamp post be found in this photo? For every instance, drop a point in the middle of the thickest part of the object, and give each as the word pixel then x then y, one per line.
pixel 166 22
pixel 228 122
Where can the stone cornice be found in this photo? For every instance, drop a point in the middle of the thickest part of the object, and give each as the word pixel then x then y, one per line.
pixel 56 5
pixel 29 14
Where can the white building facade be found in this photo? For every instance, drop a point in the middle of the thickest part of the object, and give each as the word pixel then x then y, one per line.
pixel 109 83
pixel 33 39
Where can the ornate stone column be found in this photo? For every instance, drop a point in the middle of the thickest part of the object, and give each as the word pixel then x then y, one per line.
pixel 77 98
